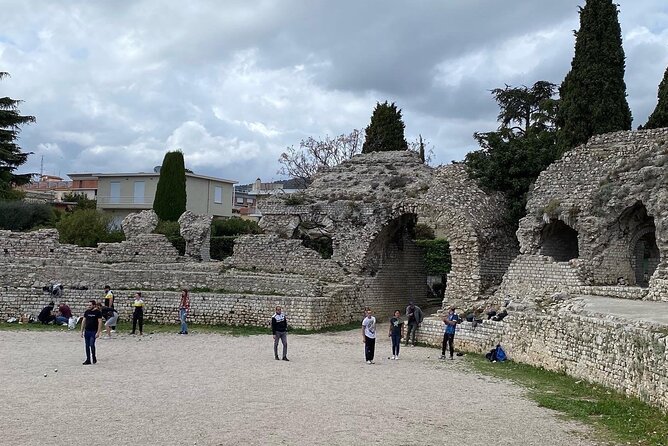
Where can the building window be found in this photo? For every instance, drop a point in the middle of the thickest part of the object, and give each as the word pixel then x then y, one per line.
pixel 138 197
pixel 218 194
pixel 240 200
pixel 115 192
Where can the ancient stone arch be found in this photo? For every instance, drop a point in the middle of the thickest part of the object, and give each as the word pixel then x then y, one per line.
pixel 614 192
pixel 367 204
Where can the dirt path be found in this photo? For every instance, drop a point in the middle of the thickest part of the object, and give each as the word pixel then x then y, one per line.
pixel 219 390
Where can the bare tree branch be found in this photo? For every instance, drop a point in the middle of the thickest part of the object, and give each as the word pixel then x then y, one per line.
pixel 313 154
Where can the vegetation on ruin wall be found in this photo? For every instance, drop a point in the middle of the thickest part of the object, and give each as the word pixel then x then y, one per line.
pixel 385 132
pixel 436 256
pixel 170 194
pixel 593 94
pixel 223 234
pixel 615 416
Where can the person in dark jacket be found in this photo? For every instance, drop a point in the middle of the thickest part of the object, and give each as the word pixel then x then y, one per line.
pixel 279 329
pixel 46 316
pixel 414 318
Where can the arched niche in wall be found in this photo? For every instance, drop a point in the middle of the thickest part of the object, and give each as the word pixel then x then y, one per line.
pixel 559 241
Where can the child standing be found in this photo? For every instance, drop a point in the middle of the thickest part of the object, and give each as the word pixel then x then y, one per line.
pixel 396 332
pixel 138 314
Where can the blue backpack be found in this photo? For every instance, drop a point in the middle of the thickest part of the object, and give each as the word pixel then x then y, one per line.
pixel 500 353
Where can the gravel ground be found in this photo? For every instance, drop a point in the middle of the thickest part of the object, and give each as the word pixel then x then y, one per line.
pixel 209 389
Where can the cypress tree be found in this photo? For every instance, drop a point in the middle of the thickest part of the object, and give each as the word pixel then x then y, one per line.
pixel 11 155
pixel 170 194
pixel 593 94
pixel 659 117
pixel 386 130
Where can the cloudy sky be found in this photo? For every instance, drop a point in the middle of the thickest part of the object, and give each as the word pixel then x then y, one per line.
pixel 115 84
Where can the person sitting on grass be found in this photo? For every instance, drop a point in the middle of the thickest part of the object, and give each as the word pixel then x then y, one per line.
pixel 64 314
pixel 46 316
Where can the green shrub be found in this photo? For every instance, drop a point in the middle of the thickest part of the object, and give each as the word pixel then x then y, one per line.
pixel 81 200
pixel 22 216
pixel 437 256
pixel 295 199
pixel 171 230
pixel 221 247
pixel 87 227
pixel 234 226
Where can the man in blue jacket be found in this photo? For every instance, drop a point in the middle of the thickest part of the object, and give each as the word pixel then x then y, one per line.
pixel 449 327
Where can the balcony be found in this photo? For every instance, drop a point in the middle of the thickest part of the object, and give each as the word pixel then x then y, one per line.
pixel 124 202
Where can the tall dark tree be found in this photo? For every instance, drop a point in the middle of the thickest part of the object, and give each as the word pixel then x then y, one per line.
pixel 170 194
pixel 11 155
pixel 659 117
pixel 593 94
pixel 511 157
pixel 385 132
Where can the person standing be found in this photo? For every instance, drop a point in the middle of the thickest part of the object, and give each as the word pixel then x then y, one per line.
pixel 109 302
pixel 110 316
pixel 450 322
pixel 91 328
pixel 414 316
pixel 396 330
pixel 138 314
pixel 184 308
pixel 279 329
pixel 369 335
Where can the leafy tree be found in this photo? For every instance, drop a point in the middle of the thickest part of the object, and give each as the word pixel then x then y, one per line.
pixel 11 155
pixel 385 132
pixel 81 200
pixel 87 227
pixel 170 194
pixel 21 216
pixel 303 162
pixel 659 117
pixel 511 158
pixel 593 94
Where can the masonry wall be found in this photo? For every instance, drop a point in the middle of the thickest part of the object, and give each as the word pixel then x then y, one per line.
pixel 402 277
pixel 273 254
pixel 239 309
pixel 535 276
pixel 632 359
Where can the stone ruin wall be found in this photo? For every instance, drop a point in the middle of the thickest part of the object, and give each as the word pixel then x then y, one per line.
pixel 629 357
pixel 364 204
pixel 609 191
pixel 222 294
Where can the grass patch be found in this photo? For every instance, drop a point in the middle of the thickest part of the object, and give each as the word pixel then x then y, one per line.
pixel 613 415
